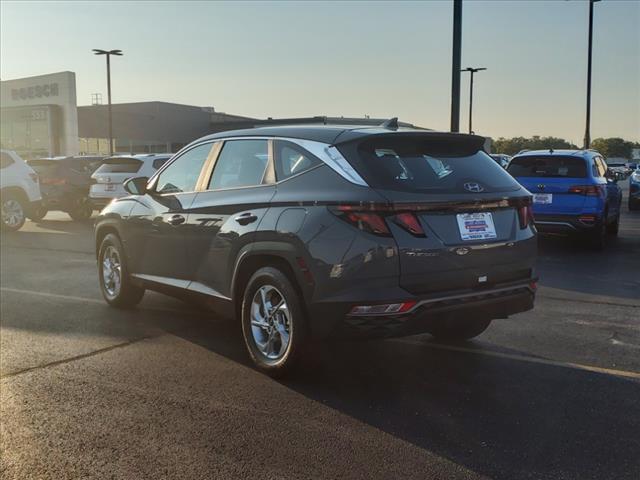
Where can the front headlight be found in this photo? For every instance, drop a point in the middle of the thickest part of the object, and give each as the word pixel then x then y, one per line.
pixel 635 176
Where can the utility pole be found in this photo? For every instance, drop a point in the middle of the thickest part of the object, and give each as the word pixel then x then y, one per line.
pixel 108 54
pixel 471 71
pixel 456 62
pixel 587 130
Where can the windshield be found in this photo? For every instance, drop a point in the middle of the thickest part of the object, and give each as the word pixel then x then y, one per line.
pixel 417 165
pixel 548 166
pixel 120 165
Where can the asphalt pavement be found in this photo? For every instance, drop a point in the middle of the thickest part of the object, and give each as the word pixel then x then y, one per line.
pixel 166 391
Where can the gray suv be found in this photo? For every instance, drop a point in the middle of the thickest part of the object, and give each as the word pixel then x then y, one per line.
pixel 318 232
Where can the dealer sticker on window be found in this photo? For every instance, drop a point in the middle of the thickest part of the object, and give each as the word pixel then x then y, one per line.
pixel 476 226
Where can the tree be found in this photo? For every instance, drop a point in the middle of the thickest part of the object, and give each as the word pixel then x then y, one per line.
pixel 614 147
pixel 511 146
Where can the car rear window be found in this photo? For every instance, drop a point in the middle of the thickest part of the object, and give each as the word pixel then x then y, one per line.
pixel 548 166
pixel 44 168
pixel 120 165
pixel 416 164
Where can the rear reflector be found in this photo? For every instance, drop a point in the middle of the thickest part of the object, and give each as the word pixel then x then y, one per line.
pixel 587 218
pixel 386 309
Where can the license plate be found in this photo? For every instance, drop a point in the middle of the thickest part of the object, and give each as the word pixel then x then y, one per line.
pixel 110 187
pixel 543 198
pixel 476 226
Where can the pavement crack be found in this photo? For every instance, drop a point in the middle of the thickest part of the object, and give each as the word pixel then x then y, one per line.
pixel 80 357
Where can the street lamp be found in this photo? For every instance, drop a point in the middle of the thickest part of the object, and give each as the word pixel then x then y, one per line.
pixel 108 53
pixel 471 71
pixel 587 133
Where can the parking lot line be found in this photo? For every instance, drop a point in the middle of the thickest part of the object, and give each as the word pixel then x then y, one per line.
pixel 524 358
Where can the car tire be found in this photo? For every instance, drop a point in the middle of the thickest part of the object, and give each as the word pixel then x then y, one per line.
pixel 613 228
pixel 598 238
pixel 37 213
pixel 115 282
pixel 13 212
pixel 82 211
pixel 459 328
pixel 634 205
pixel 274 336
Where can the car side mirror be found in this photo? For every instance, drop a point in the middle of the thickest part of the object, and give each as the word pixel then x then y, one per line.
pixel 136 185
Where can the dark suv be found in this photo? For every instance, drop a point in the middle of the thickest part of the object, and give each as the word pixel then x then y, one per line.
pixel 327 231
pixel 65 183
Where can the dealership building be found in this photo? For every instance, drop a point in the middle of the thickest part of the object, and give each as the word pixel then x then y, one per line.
pixel 40 117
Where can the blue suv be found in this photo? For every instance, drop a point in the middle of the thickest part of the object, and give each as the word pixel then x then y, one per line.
pixel 573 192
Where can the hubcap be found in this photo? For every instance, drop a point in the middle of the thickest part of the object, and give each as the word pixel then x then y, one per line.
pixel 12 213
pixel 111 271
pixel 270 322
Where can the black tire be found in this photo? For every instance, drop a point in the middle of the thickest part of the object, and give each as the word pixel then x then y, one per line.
pixel 14 212
pixel 613 228
pixel 36 214
pixel 460 328
pixel 82 211
pixel 271 278
pixel 634 205
pixel 127 295
pixel 598 238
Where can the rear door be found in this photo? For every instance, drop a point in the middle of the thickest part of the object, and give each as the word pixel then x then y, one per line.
pixel 223 218
pixel 550 179
pixel 468 231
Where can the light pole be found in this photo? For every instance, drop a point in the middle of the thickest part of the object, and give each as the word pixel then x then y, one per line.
pixel 471 71
pixel 455 65
pixel 108 53
pixel 587 132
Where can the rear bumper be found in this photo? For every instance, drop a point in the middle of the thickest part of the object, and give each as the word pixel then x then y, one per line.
pixel 564 224
pixel 333 320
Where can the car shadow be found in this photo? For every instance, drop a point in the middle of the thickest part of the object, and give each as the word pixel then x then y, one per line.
pixel 499 417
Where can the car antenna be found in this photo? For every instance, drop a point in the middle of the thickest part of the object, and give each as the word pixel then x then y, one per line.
pixel 391 124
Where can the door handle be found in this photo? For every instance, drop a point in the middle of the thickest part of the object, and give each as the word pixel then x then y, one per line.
pixel 176 220
pixel 246 218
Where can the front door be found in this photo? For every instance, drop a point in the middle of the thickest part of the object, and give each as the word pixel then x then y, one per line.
pixel 157 222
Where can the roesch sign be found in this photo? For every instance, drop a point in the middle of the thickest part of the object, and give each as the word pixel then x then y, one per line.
pixel 37 91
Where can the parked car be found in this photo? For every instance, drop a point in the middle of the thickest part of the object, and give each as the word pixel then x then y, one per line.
pixel 620 167
pixel 19 190
pixel 573 192
pixel 326 231
pixel 64 183
pixel 113 171
pixel 634 190
pixel 501 159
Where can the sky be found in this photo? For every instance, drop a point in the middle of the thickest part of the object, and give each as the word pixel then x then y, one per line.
pixel 383 59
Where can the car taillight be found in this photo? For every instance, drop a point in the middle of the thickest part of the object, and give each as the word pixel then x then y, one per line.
pixel 588 190
pixel 53 181
pixel 34 177
pixel 410 223
pixel 525 214
pixel 371 222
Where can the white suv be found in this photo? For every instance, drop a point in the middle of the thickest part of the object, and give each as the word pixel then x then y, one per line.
pixel 19 189
pixel 110 176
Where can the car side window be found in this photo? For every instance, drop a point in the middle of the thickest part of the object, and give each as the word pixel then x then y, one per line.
pixel 5 160
pixel 291 159
pixel 241 163
pixel 183 173
pixel 158 162
pixel 602 166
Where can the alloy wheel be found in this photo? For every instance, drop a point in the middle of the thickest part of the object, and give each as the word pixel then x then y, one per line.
pixel 12 213
pixel 111 271
pixel 270 322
